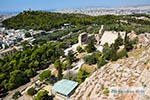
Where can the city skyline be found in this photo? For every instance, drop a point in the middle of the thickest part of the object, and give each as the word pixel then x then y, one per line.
pixel 18 5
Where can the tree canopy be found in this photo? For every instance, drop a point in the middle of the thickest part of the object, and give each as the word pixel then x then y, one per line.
pixel 58 65
pixel 40 20
pixel 41 95
pixel 16 69
pixel 82 75
pixel 45 75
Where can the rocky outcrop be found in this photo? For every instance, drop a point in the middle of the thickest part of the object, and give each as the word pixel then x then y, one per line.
pixel 123 73
pixel 143 81
pixel 144 39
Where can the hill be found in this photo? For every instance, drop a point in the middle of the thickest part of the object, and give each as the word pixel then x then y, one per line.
pixel 97 11
pixel 39 20
pixel 125 73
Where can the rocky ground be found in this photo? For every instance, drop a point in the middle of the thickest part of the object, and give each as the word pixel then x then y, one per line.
pixel 123 73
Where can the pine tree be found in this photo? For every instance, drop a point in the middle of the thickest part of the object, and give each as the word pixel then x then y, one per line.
pixel 58 66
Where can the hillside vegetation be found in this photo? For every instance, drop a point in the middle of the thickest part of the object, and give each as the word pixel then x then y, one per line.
pixel 17 69
pixel 39 20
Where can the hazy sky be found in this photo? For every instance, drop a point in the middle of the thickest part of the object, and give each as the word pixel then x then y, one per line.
pixel 59 4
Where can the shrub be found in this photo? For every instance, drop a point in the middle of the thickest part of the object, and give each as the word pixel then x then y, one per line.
pixel 128 43
pixel 90 59
pixel 16 95
pixel 29 72
pixel 97 54
pixel 80 49
pixel 122 53
pixel 106 91
pixel 42 95
pixel 90 47
pixel 44 75
pixel 65 65
pixel 58 66
pixel 31 91
pixel 82 75
pixel 107 51
pixel 113 56
pixel 119 40
pixel 71 57
pixel 101 62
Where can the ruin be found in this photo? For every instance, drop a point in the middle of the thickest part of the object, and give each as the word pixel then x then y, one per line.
pixel 84 37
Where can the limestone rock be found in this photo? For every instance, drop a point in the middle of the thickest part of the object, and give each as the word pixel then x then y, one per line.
pixel 123 73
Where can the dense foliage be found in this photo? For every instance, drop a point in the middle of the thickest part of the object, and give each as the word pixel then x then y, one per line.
pixel 62 35
pixel 16 70
pixel 42 95
pixel 111 52
pixel 45 75
pixel 90 46
pixel 82 75
pixel 80 49
pixel 92 59
pixel 70 57
pixel 39 20
pixel 101 62
pixel 31 91
pixel 16 95
pixel 58 66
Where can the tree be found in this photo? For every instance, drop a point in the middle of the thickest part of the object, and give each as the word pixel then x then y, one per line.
pixel 31 91
pixel 70 57
pixel 45 75
pixel 107 51
pixel 90 46
pixel 97 54
pixel 119 40
pixel 29 72
pixel 82 75
pixel 58 66
pixel 65 65
pixel 2 76
pixel 122 53
pixel 16 95
pixel 17 78
pixel 80 49
pixel 16 69
pixel 41 95
pixel 128 44
pixel 90 59
pixel 101 62
pixel 114 46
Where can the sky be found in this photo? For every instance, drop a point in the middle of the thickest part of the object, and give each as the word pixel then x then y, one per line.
pixel 14 5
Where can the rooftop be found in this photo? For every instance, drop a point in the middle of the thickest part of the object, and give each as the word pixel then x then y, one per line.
pixel 64 86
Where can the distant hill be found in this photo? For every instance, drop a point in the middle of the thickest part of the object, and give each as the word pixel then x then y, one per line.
pixel 96 11
pixel 42 20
